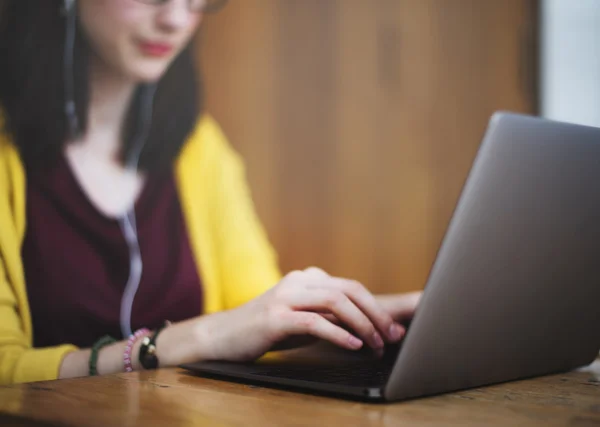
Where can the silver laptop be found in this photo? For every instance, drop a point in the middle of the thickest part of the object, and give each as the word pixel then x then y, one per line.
pixel 514 291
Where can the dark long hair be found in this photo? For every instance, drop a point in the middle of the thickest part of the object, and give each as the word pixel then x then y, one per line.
pixel 32 95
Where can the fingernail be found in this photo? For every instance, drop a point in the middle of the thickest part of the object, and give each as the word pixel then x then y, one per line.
pixel 377 341
pixel 354 342
pixel 396 331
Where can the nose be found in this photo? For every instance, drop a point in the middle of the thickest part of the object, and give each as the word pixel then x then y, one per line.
pixel 174 15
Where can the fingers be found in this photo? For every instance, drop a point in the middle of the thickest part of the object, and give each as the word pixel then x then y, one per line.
pixel 305 322
pixel 367 303
pixel 331 318
pixel 316 273
pixel 400 306
pixel 338 304
pixel 343 300
pixel 293 342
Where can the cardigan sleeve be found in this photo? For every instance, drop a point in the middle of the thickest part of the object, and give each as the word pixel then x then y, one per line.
pixel 19 362
pixel 247 260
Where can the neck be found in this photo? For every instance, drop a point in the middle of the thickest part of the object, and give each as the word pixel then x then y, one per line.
pixel 110 98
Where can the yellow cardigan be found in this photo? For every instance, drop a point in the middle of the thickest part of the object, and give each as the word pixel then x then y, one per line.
pixel 234 258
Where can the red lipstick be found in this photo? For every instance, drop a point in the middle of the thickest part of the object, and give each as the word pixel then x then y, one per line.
pixel 155 49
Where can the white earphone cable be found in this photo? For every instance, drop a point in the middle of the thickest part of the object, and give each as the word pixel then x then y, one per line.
pixel 128 221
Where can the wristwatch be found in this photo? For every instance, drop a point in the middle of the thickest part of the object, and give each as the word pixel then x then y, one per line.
pixel 147 357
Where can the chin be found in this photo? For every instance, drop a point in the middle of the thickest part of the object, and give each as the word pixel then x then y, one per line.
pixel 147 73
pixel 147 76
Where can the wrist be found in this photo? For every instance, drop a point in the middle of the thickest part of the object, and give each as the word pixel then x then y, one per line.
pixel 226 335
pixel 110 359
pixel 181 343
pixel 135 359
pixel 132 349
pixel 205 336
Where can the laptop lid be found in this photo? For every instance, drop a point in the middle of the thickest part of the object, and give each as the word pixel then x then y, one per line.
pixel 515 289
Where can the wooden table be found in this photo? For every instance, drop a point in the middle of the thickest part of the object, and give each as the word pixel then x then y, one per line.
pixel 172 397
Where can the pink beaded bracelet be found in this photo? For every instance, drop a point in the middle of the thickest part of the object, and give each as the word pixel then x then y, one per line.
pixel 129 347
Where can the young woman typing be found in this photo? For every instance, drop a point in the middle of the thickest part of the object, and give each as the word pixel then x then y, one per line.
pixel 122 207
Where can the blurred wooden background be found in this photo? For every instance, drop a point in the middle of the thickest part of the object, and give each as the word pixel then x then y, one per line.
pixel 359 119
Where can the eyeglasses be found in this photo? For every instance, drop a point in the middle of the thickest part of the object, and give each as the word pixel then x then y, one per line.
pixel 196 6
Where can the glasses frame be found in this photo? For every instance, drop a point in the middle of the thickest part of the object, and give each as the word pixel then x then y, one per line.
pixel 212 6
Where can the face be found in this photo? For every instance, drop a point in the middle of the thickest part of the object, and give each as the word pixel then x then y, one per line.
pixel 136 39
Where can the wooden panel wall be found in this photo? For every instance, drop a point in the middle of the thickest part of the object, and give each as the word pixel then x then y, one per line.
pixel 359 119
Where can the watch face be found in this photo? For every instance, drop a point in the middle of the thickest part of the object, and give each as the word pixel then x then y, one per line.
pixel 151 350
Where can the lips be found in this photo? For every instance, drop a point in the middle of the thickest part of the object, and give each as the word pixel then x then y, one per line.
pixel 155 49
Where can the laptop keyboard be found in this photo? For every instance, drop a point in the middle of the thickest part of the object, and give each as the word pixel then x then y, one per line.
pixel 361 375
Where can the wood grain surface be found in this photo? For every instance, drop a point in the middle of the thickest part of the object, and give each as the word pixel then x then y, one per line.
pixel 172 397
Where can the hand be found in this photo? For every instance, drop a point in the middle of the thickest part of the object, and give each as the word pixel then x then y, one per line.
pixel 401 307
pixel 304 303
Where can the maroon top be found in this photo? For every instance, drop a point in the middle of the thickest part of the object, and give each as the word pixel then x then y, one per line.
pixel 77 262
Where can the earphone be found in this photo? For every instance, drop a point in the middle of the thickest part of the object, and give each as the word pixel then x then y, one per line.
pixel 70 12
pixel 127 221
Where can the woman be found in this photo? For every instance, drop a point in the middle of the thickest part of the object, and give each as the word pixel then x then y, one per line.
pixel 122 206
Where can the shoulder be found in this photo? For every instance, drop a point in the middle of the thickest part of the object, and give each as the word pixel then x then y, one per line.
pixel 12 183
pixel 208 147
pixel 8 151
pixel 10 161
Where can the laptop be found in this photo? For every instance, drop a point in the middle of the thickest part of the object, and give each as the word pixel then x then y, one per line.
pixel 514 291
